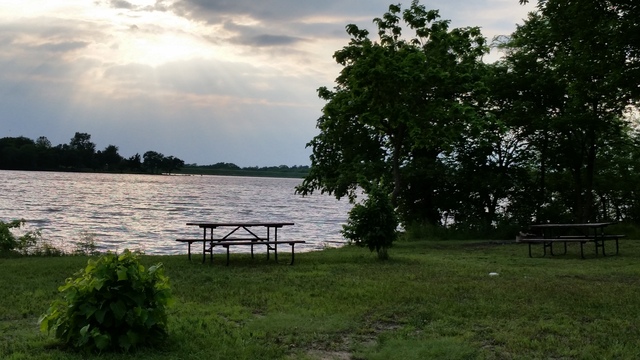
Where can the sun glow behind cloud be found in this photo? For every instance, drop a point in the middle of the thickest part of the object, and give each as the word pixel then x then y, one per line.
pixel 151 37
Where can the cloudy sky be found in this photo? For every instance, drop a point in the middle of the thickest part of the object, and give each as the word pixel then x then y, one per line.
pixel 206 81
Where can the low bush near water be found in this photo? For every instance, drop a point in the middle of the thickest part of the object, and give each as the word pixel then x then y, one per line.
pixel 114 304
pixel 31 242
pixel 12 243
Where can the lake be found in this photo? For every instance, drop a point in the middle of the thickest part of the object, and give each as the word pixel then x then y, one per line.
pixel 148 212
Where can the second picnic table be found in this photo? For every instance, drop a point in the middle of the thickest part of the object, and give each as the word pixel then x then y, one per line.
pixel 248 237
pixel 564 233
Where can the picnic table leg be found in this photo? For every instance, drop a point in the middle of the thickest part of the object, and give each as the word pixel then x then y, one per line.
pixel 599 244
pixel 204 245
pixel 292 253
pixel 275 246
pixel 544 249
pixel 268 239
pixel 189 250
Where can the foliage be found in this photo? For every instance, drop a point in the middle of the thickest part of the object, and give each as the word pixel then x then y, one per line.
pixel 419 232
pixel 21 244
pixel 31 242
pixel 113 304
pixel 86 245
pixel 399 104
pixel 373 224
pixel 569 69
pixel 545 134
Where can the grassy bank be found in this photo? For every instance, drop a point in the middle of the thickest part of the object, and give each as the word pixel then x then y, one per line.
pixel 431 300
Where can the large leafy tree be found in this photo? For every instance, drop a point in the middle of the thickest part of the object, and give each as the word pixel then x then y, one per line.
pixel 569 67
pixel 398 104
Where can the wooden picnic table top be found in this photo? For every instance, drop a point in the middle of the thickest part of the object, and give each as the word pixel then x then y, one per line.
pixel 241 224
pixel 574 225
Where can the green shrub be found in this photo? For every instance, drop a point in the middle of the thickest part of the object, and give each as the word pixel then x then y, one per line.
pixel 8 241
pixel 86 245
pixel 22 244
pixel 114 304
pixel 373 223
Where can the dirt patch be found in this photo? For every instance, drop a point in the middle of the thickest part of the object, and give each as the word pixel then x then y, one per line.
pixel 329 355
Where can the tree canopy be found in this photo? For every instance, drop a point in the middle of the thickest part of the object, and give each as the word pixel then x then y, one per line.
pixel 397 106
pixel 547 133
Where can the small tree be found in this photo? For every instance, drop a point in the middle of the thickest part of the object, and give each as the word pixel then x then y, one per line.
pixel 373 223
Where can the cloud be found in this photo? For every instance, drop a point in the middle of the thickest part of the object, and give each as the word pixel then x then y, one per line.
pixel 204 80
pixel 275 11
pixel 121 4
pixel 64 46
pixel 267 40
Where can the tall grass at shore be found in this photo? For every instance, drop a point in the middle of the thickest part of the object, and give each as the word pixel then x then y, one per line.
pixel 432 299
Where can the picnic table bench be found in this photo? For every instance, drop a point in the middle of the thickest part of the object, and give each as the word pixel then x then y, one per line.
pixel 548 234
pixel 210 241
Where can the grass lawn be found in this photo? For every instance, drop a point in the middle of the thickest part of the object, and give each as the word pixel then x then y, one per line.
pixel 431 300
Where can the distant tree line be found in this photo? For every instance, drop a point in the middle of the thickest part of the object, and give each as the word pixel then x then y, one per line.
pixel 223 168
pixel 21 153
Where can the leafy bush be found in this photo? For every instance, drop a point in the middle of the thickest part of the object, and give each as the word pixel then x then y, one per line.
pixel 86 245
pixel 114 304
pixel 373 223
pixel 20 244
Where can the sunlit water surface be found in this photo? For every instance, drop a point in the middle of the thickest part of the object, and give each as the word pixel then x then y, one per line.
pixel 149 212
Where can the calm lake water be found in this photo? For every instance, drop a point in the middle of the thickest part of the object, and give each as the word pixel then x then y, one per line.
pixel 149 212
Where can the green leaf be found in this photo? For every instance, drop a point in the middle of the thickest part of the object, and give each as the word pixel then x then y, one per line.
pixel 119 309
pixel 134 337
pixel 102 341
pixel 84 330
pixel 44 323
pixel 99 315
pixel 122 274
pixel 87 310
pixel 124 341
pixel 154 268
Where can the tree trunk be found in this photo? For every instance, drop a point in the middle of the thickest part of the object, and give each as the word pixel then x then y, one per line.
pixel 587 213
pixel 543 174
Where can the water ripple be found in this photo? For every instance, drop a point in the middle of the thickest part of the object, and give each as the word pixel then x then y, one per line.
pixel 150 212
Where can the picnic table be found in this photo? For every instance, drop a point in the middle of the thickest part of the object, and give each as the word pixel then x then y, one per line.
pixel 240 234
pixel 582 233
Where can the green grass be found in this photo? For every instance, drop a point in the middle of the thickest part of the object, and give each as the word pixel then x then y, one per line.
pixel 431 300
